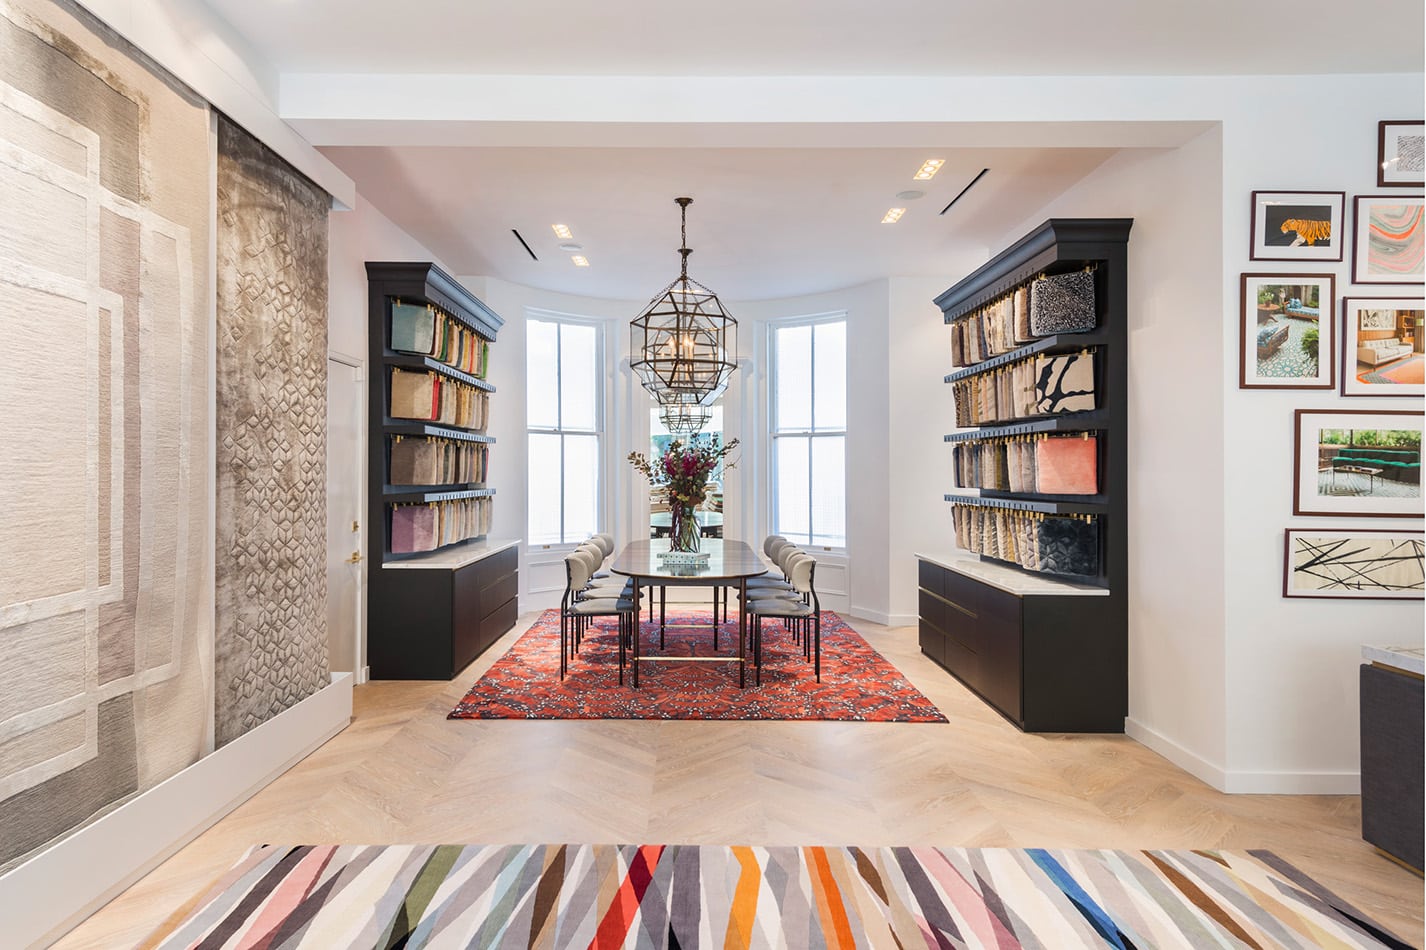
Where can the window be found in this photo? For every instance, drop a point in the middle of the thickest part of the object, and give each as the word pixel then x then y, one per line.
pixel 563 409
pixel 710 518
pixel 809 432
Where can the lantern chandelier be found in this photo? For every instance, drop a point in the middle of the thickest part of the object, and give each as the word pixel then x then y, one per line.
pixel 683 345
pixel 683 418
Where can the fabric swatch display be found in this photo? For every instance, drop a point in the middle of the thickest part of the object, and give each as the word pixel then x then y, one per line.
pixel 420 527
pixel 415 395
pixel 427 330
pixel 1067 465
pixel 1062 303
pixel 1067 546
pixel 423 460
pixel 1065 383
pixel 1050 544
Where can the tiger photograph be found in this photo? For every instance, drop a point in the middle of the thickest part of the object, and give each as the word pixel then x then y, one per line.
pixel 1308 231
pixel 1297 226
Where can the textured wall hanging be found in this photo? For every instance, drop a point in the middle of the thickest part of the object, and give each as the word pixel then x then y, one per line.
pixel 272 442
pixel 105 598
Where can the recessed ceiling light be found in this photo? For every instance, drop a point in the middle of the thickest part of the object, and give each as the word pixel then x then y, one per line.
pixel 893 216
pixel 562 231
pixel 910 195
pixel 929 169
pixel 571 246
pixel 579 260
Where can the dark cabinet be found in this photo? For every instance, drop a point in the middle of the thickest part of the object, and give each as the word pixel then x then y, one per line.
pixel 1393 709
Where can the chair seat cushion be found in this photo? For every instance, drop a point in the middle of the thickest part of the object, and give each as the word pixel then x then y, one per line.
pixel 603 606
pixel 779 608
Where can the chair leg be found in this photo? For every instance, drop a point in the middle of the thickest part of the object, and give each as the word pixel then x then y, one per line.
pixel 817 651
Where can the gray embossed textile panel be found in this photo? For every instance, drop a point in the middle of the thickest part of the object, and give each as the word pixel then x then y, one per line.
pixel 272 423
pixel 106 637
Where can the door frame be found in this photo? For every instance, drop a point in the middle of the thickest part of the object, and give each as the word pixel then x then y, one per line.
pixel 358 364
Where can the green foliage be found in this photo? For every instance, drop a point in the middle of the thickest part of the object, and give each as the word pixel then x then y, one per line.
pixel 1309 342
pixel 1373 438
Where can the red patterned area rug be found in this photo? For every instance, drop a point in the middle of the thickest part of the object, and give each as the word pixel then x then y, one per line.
pixel 858 684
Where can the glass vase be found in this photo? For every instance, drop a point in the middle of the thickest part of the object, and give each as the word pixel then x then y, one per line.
pixel 683 533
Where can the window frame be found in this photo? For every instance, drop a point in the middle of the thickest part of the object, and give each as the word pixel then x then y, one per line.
pixel 533 315
pixel 814 432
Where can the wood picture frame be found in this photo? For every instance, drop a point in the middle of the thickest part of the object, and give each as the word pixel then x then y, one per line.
pixel 1382 346
pixel 1352 564
pixel 1297 226
pixel 1276 313
pixel 1356 463
pixel 1388 239
pixel 1400 162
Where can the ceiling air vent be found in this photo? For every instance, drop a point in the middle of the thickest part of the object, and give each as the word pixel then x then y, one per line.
pixel 965 189
pixel 524 245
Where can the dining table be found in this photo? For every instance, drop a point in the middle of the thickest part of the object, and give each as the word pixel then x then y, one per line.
pixel 729 564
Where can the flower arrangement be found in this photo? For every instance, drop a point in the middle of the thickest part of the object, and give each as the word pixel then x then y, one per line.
pixel 684 469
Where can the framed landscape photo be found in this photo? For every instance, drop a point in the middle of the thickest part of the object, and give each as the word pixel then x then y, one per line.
pixel 1389 242
pixel 1297 225
pixel 1382 346
pixel 1401 162
pixel 1287 333
pixel 1357 463
pixel 1366 564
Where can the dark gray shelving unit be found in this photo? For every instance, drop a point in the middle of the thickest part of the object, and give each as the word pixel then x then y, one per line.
pixel 429 614
pixel 1051 655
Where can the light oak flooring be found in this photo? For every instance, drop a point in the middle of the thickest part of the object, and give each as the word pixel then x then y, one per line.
pixel 402 773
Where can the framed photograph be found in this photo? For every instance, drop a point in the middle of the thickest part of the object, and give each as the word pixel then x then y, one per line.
pixel 1382 346
pixel 1288 329
pixel 1297 225
pixel 1389 242
pixel 1357 463
pixel 1367 564
pixel 1399 154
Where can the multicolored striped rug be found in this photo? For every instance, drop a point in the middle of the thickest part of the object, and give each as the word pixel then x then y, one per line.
pixel 673 897
pixel 858 684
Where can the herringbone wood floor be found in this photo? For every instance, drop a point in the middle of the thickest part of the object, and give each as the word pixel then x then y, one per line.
pixel 402 773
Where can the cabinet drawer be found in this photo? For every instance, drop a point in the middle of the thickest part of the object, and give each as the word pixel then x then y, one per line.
pixel 497 622
pixel 962 661
pixel 498 591
pixel 933 642
pixel 932 610
pixel 964 592
pixel 929 575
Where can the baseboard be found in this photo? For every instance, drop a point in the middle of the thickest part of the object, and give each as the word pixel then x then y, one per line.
pixel 1190 762
pixel 52 892
pixel 881 617
pixel 1244 783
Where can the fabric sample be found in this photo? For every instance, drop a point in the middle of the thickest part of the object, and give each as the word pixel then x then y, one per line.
pixel 414 395
pixel 1067 466
pixel 701 897
pixel 1062 303
pixel 1065 383
pixel 1068 546
pixel 1021 305
pixel 415 462
pixel 272 435
pixel 413 528
pixel 413 328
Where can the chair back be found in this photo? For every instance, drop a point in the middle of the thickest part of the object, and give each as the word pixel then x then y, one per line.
pixel 800 571
pixel 768 542
pixel 774 550
pixel 594 551
pixel 786 554
pixel 577 571
pixel 605 542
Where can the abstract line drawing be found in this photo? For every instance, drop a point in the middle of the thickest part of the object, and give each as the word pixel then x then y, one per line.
pixel 1354 564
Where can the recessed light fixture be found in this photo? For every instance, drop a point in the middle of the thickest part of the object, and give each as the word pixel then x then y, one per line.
pixel 910 195
pixel 893 216
pixel 562 231
pixel 571 246
pixel 929 169
pixel 579 260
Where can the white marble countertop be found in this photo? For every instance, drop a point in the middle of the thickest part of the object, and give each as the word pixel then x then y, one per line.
pixel 1008 579
pixel 1408 659
pixel 451 558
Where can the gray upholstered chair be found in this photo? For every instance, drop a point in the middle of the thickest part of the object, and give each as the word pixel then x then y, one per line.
pixel 802 612
pixel 575 613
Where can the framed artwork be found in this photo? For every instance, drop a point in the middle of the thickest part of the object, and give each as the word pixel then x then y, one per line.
pixel 1400 160
pixel 1297 225
pixel 1367 564
pixel 1357 463
pixel 1389 242
pixel 1284 340
pixel 1382 351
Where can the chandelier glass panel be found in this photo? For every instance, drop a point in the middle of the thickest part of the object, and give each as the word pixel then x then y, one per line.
pixel 683 346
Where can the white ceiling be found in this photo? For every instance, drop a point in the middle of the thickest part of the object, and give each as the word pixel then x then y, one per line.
pixel 768 220
pixel 834 37
pixel 765 223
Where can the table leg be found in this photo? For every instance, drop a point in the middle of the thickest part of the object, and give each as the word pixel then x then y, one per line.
pixel 638 629
pixel 742 628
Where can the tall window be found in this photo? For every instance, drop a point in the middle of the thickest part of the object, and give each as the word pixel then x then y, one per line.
pixel 809 432
pixel 563 408
pixel 710 517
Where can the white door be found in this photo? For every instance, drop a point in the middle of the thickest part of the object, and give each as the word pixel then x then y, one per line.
pixel 346 468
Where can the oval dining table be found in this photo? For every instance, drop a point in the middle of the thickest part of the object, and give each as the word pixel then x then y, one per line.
pixel 730 563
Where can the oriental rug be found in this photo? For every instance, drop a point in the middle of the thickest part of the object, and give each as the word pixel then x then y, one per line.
pixel 858 684
pixel 668 896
